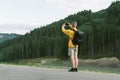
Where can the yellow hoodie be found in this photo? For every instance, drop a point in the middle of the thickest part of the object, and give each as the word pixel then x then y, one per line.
pixel 70 34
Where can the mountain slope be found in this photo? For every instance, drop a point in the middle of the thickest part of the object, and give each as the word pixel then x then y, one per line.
pixel 102 37
pixel 4 36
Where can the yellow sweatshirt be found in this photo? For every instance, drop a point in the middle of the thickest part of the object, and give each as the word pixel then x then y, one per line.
pixel 70 34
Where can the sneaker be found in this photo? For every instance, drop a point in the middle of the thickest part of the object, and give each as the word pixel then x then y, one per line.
pixel 76 70
pixel 72 70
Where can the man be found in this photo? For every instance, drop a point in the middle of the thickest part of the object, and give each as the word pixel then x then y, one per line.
pixel 72 49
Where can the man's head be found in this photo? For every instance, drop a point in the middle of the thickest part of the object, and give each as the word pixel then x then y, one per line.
pixel 74 24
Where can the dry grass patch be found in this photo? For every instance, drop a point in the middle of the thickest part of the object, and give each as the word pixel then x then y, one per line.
pixel 102 62
pixel 44 61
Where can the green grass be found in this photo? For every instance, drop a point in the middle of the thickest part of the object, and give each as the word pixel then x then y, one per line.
pixel 63 64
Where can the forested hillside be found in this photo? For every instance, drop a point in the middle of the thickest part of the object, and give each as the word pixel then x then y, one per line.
pixel 102 37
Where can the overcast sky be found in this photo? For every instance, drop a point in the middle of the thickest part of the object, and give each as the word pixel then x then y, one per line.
pixel 21 16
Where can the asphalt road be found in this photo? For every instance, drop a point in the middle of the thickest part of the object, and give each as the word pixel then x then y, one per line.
pixel 12 72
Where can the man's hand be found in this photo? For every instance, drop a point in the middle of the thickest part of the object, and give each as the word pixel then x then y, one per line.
pixel 70 25
pixel 64 25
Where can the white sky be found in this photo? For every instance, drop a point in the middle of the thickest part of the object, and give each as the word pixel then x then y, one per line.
pixel 21 16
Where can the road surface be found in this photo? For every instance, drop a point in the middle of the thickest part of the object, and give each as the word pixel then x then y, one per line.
pixel 12 72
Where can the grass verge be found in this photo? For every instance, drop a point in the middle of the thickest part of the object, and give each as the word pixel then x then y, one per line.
pixel 65 64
